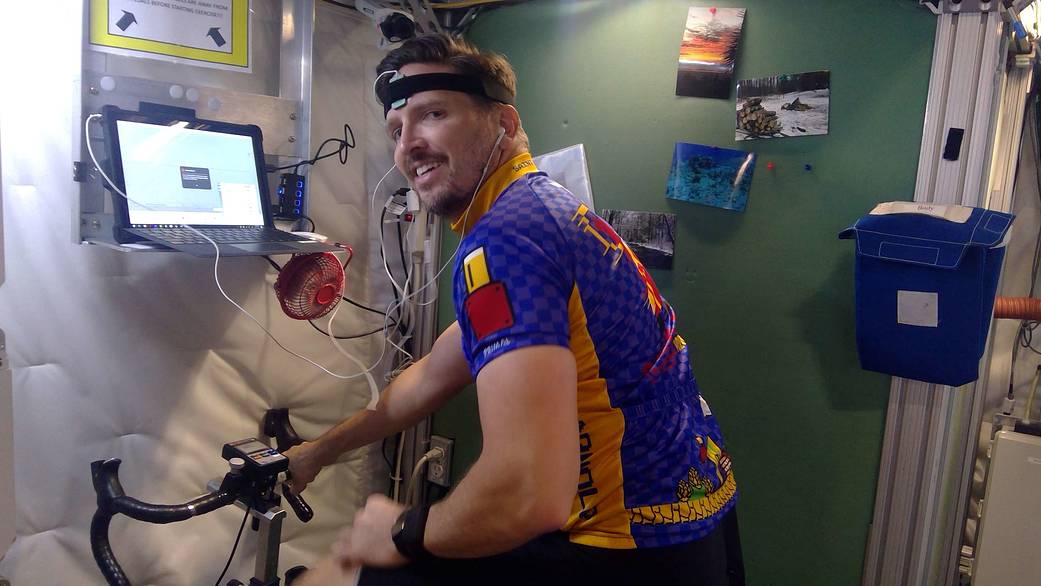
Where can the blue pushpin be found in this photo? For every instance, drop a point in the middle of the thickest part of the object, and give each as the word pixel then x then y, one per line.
pixel 808 167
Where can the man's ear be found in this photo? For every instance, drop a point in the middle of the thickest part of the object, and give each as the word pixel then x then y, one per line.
pixel 509 120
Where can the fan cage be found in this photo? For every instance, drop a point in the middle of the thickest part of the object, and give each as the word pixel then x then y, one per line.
pixel 310 285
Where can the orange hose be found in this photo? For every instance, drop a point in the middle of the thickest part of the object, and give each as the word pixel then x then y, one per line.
pixel 1017 308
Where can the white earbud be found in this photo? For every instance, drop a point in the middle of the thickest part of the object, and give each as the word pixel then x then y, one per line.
pixel 498 139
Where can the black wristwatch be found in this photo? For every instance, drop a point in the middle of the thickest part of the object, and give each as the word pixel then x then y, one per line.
pixel 408 533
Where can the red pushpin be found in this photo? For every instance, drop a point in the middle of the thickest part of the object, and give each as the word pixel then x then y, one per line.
pixel 770 165
pixel 712 11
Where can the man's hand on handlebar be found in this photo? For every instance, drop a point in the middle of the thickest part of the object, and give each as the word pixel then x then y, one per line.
pixel 304 465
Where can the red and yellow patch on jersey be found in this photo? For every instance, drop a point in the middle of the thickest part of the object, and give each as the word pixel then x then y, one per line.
pixel 487 303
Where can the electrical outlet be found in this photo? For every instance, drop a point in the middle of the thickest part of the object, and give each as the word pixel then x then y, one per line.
pixel 440 471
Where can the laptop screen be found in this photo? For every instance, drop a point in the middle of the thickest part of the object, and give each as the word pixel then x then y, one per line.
pixel 182 175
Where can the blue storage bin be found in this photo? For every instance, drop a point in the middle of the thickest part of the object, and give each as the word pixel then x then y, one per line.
pixel 926 276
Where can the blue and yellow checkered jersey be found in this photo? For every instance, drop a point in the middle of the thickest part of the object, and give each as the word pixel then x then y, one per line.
pixel 536 266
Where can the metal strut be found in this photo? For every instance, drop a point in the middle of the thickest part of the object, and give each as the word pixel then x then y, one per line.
pixel 930 439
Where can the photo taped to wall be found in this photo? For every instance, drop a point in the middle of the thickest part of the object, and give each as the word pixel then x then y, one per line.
pixel 783 105
pixel 708 52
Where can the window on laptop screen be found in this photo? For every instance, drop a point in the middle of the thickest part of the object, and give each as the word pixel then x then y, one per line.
pixel 189 176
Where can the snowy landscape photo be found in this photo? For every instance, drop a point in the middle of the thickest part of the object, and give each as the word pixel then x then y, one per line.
pixel 711 176
pixel 708 51
pixel 782 106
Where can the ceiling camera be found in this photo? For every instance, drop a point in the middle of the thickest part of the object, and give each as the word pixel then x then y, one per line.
pixel 395 25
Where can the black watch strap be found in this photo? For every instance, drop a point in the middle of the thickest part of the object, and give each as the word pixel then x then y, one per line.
pixel 408 533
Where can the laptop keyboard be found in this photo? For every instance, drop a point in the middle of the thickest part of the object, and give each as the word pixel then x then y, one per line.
pixel 181 235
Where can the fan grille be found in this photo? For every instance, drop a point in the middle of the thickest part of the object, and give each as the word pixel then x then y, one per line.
pixel 310 285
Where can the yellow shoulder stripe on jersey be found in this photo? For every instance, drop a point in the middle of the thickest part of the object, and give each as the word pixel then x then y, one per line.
pixel 475 270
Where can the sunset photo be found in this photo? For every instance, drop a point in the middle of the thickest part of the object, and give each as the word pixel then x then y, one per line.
pixel 708 51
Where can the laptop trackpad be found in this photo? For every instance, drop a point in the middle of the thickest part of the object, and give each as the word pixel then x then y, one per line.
pixel 263 247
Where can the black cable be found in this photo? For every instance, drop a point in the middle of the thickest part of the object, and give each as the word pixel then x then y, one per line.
pixel 1025 337
pixel 383 450
pixel 325 333
pixel 360 306
pixel 313 225
pixel 344 297
pixel 234 547
pixel 345 145
pixel 273 263
pixel 393 321
pixel 401 248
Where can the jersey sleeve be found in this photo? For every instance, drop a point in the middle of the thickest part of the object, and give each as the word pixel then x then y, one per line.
pixel 513 283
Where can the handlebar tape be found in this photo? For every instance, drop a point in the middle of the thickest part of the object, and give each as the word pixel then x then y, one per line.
pixel 112 500
pixel 102 550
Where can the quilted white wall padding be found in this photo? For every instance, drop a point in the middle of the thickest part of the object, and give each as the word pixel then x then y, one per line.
pixel 137 356
pixel 6 419
pixel 7 510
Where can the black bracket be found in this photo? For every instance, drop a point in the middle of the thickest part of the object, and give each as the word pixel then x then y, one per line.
pixel 952 149
pixel 81 173
pixel 164 110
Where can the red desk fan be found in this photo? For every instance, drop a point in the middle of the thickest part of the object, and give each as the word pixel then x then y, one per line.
pixel 310 285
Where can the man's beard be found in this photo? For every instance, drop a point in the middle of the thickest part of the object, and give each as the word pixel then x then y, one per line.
pixel 452 201
pixel 450 204
pixel 452 197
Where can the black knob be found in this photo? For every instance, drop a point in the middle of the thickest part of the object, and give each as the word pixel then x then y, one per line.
pixel 302 509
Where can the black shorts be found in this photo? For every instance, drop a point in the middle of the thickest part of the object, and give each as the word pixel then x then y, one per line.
pixel 714 560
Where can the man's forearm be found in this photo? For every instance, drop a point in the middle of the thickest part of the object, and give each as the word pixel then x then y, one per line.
pixel 402 404
pixel 359 430
pixel 414 394
pixel 488 513
pixel 523 484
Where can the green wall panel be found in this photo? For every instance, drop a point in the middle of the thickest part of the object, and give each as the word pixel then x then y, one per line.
pixel 764 297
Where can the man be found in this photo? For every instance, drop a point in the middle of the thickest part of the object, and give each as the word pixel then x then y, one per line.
pixel 600 460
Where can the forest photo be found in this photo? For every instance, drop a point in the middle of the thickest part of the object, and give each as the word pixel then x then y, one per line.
pixel 650 235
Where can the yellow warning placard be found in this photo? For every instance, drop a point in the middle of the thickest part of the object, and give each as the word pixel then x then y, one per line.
pixel 212 33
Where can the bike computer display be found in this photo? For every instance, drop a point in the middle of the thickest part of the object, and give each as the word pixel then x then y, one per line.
pixel 259 456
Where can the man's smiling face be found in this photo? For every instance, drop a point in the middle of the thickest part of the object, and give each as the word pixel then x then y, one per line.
pixel 442 140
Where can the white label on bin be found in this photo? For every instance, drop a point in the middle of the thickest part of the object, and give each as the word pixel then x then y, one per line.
pixel 951 213
pixel 918 308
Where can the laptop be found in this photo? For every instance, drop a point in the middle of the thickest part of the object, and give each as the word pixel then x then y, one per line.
pixel 180 170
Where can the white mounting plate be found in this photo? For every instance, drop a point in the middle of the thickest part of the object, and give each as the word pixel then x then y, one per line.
pixel 275 95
